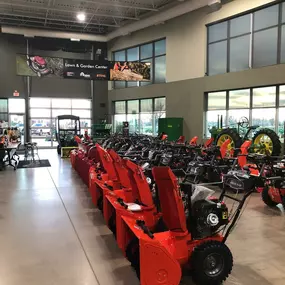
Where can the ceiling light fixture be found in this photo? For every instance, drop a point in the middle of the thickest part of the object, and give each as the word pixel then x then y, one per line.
pixel 81 17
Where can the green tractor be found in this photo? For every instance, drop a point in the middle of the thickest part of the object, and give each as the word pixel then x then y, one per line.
pixel 264 140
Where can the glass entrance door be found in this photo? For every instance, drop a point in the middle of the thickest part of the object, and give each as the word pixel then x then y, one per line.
pixel 17 121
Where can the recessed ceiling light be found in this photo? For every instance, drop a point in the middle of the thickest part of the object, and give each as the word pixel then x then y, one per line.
pixel 81 17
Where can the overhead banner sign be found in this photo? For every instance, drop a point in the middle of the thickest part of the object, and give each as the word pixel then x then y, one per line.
pixel 82 69
pixel 86 69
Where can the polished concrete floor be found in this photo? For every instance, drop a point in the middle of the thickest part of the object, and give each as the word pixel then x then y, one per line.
pixel 50 234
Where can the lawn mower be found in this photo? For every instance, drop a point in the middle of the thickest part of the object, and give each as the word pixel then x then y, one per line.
pixel 39 65
pixel 264 140
pixel 194 239
pixel 67 128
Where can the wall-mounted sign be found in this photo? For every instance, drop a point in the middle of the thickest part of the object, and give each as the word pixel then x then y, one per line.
pixel 39 66
pixel 16 93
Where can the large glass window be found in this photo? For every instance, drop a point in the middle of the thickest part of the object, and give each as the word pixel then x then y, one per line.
pixel 282 96
pixel 259 105
pixel 142 115
pixel 239 99
pixel 218 58
pixel 264 97
pixel 154 53
pixel 43 112
pixel 265 47
pixel 217 101
pixel 281 123
pixel 160 71
pixel 239 53
pixel 264 117
pixel 253 40
pixel 17 105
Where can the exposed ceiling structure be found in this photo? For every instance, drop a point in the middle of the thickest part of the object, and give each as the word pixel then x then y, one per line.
pixel 102 16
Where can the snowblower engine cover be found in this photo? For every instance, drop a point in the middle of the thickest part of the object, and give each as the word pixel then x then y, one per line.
pixel 207 217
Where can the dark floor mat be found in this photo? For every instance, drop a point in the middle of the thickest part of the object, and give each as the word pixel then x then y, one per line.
pixel 33 164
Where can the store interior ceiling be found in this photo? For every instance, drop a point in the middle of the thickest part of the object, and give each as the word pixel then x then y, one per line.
pixel 102 16
pixel 94 20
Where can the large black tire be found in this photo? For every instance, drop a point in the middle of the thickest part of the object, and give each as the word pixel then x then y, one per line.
pixel 133 255
pixel 276 151
pixel 266 198
pixel 233 135
pixel 212 262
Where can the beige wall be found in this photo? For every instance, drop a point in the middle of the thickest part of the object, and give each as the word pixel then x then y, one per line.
pixel 186 62
pixel 186 98
pixel 185 38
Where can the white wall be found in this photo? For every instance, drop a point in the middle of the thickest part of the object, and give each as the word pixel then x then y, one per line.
pixel 185 38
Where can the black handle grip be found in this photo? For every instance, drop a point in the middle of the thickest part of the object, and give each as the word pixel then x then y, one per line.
pixel 145 229
pixel 122 203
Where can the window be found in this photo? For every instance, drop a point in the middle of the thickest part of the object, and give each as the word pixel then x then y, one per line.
pixel 218 32
pixel 133 107
pixel 159 70
pixel 43 112
pixel 253 40
pixel 159 104
pixel 160 48
pixel 146 106
pixel 265 48
pixel 264 117
pixel 218 58
pixel 120 55
pixel 16 105
pixel 4 111
pixel 281 123
pixel 133 54
pixel 264 97
pixel 120 107
pixel 239 99
pixel 265 18
pixel 146 51
pixel 259 105
pixel 142 115
pixel 154 53
pixel 239 53
pixel 240 26
pixel 282 96
pixel 217 101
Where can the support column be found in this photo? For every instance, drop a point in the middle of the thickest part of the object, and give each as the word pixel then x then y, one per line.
pixel 27 111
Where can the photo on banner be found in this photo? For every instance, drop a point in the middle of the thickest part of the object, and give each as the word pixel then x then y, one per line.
pixel 130 71
pixel 40 66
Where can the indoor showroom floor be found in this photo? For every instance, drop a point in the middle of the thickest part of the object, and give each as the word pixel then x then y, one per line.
pixel 51 234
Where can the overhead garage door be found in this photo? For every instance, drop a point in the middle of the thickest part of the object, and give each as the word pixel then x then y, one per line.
pixel 43 112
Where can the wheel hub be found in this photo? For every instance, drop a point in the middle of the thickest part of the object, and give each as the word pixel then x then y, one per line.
pixel 214 264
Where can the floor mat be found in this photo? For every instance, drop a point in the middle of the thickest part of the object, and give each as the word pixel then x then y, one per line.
pixel 33 164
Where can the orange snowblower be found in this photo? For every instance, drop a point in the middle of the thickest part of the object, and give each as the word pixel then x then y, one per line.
pixel 141 207
pixel 110 175
pixel 194 240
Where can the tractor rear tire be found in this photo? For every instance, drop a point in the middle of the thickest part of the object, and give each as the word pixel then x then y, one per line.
pixel 133 255
pixel 276 151
pixel 212 262
pixel 233 134
pixel 266 198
